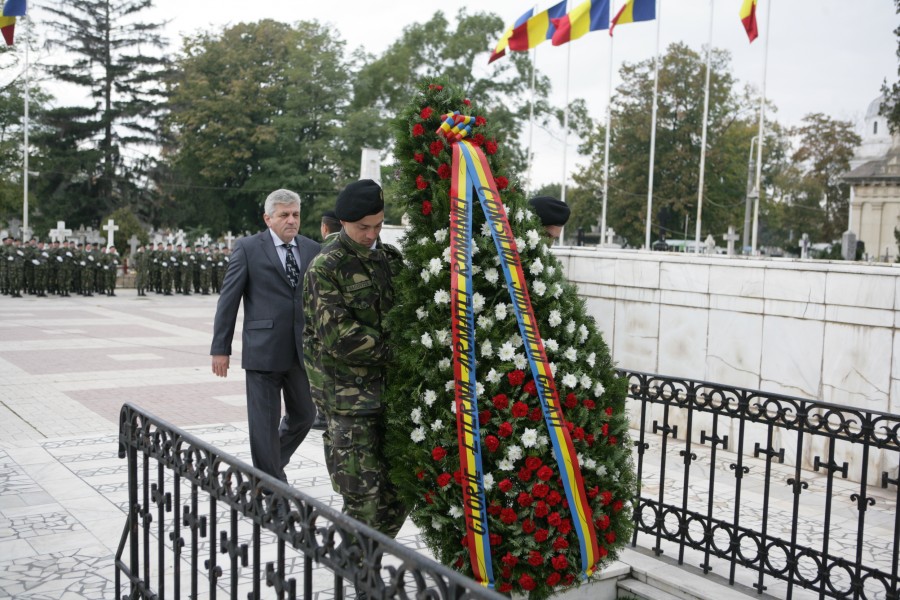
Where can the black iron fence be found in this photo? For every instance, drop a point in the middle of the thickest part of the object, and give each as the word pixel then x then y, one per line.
pixel 203 524
pixel 768 489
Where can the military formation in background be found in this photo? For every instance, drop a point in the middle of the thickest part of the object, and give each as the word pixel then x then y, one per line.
pixel 177 269
pixel 61 268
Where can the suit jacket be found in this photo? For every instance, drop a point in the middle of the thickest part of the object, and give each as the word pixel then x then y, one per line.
pixel 273 311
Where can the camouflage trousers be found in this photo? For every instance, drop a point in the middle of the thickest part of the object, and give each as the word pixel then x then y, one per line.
pixel 354 454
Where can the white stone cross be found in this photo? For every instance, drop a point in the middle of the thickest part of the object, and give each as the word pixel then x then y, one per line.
pixel 179 237
pixel 610 235
pixel 170 238
pixel 731 237
pixel 60 233
pixel 111 228
pixel 205 240
pixel 710 244
pixel 14 225
pixel 228 239
pixel 133 242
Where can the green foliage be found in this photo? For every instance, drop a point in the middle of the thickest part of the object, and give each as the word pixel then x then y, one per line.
pixel 419 399
pixel 890 106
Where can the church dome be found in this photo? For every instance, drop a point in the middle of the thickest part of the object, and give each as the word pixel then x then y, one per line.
pixel 876 137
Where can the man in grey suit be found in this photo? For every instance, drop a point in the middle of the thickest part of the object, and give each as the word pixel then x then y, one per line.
pixel 266 270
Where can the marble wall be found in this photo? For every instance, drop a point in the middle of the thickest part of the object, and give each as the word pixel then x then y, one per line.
pixel 812 329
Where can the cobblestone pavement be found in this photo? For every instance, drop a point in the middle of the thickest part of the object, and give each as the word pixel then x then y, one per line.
pixel 66 367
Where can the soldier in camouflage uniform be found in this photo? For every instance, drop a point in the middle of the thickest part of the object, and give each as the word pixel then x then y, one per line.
pixel 15 262
pixel 348 291
pixel 6 251
pixel 66 260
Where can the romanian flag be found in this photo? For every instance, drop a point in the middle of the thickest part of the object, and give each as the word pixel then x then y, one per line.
pixel 8 29
pixel 592 15
pixel 634 11
pixel 529 30
pixel 14 8
pixel 748 18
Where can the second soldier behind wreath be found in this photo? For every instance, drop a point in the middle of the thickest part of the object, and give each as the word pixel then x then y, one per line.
pixel 348 292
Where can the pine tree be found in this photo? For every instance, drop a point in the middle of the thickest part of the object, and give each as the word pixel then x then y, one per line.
pixel 534 547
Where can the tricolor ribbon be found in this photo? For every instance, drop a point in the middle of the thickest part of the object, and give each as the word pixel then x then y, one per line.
pixel 471 172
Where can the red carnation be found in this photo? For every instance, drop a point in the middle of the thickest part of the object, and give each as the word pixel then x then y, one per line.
pixel 530 388
pixel 541 509
pixel 589 438
pixel 588 403
pixel 611 537
pixel 516 377
pixel 592 493
pixel 526 581
pixel 560 562
pixel 505 485
pixel 418 129
pixel 613 440
pixel 505 429
pixel 494 509
pixel 560 543
pixel 541 535
pixel 536 414
pixel 565 527
pixel 605 498
pixel 444 171
pixel 438 453
pixel 421 183
pixel 428 498
pixel 609 411
pixel 533 462
pixel 553 498
pixel 478 139
pixel 436 147
pixel 492 443
pixel 420 475
pixel 553 579
pixel 524 499
pixel 500 401
pixel 434 86
pixel 484 416
pixel 601 522
pixel 457 476
pixel 605 429
pixel 509 560
pixel 496 539
pixel 505 587
pixel 545 473
pixel 491 146
pixel 502 182
pixel 571 400
pixel 426 112
pixel 525 474
pixel 519 409
pixel 540 490
pixel 554 519
pixel 569 578
pixel 578 434
pixel 418 157
pixel 444 479
pixel 508 516
pixel 479 121
pixel 467 102
pixel 617 506
pixel 528 526
pixel 535 559
pixel 603 552
pixel 426 207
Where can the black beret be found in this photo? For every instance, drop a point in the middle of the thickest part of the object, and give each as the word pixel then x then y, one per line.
pixel 329 214
pixel 550 210
pixel 359 200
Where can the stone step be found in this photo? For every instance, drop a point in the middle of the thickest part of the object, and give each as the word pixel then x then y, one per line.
pixel 635 588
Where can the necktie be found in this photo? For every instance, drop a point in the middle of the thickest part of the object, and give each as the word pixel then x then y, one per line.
pixel 290 266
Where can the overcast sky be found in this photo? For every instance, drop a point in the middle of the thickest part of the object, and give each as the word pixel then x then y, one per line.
pixel 828 56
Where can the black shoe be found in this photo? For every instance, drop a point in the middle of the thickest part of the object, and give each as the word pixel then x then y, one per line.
pixel 320 423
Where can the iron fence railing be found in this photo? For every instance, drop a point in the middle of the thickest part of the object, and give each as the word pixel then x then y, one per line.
pixel 771 488
pixel 201 523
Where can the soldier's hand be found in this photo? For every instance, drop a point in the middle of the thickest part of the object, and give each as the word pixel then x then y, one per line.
pixel 220 364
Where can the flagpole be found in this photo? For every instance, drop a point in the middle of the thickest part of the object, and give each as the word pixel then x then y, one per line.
pixel 653 128
pixel 703 136
pixel 603 239
pixel 562 231
pixel 25 229
pixel 531 117
pixel 759 142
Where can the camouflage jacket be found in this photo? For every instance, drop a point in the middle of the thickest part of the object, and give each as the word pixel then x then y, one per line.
pixel 347 293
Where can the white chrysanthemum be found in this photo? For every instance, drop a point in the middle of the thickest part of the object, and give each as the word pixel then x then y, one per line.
pixel 496 259
pixel 599 389
pixel 557 290
pixel 520 244
pixel 435 265
pixel 550 345
pixel 542 441
pixel 539 288
pixel 444 364
pixel 437 425
pixel 514 453
pixel 569 380
pixel 591 359
pixel 493 376
pixel 450 385
pixel 421 313
pixel 485 322
pixel 446 255
pixel 453 407
pixel 441 297
pixel 520 361
pixel 429 397
pixel 425 275
pixel 601 470
pixel 440 236
pixel 417 435
pixel 529 438
pixel 506 352
pixel 455 511
pixel 488 483
pixel 423 241
pixel 571 354
pixel 553 369
pixel 570 327
pixel 590 463
pixel 533 237
pixel 585 382
pixel 491 275
pixel 505 465
pixel 416 415
pixel 476 269
pixel 426 340
pixel 537 267
pixel 475 249
pixel 582 333
pixel 555 318
pixel 501 310
pixel 516 340
pixel 520 215
pixel 485 229
pixel 487 350
pixel 528 213
pixel 479 389
pixel 442 337
pixel 477 303
pixel 550 270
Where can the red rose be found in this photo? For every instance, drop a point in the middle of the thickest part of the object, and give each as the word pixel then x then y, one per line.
pixel 554 519
pixel 467 102
pixel 519 409
pixel 505 587
pixel 492 443
pixel 560 562
pixel 438 453
pixel 516 377
pixel 560 543
pixel 540 490
pixel 426 112
pixel 505 429
pixel 592 493
pixel 533 462
pixel 605 498
pixel 525 581
pixel 571 400
pixel 444 479
pixel 434 86
pixel 617 506
pixel 444 171
pixel 505 485
pixel 428 498
pixel 541 509
pixel 603 552
pixel 588 403
pixel 528 526
pixel 500 401
pixel 502 182
pixel 569 578
pixel 541 535
pixel 589 438
pixel 524 500
pixel 611 537
pixel 535 559
pixel 491 146
pixel 565 527
pixel 536 414
pixel 496 539
pixel 421 183
pixel 609 411
pixel 605 429
pixel 478 139
pixel 553 579
pixel 508 516
pixel 602 522
pixel 509 560
pixel 578 434
pixel 436 147
pixel 484 416
pixel 418 129
pixel 553 498
pixel 545 473
pixel 426 207
pixel 479 121
pixel 525 474
pixel 420 475
pixel 418 157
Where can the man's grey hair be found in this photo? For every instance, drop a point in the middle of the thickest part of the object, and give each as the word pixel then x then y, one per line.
pixel 281 197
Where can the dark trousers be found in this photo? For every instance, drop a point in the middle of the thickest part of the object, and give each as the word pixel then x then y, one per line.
pixel 274 439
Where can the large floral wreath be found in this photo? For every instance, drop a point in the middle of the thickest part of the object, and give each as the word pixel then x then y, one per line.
pixel 534 548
